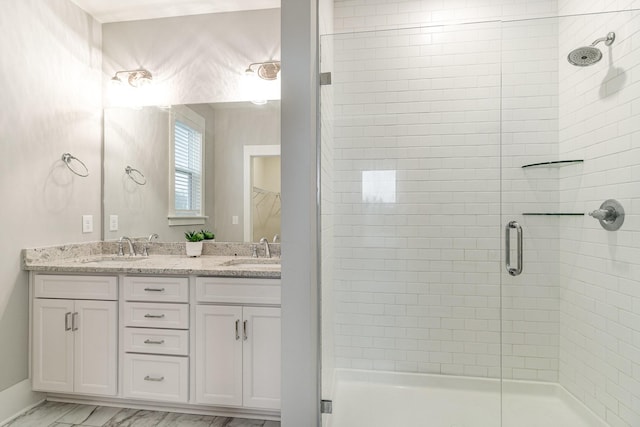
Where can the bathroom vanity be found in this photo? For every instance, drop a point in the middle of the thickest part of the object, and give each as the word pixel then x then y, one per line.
pixel 161 332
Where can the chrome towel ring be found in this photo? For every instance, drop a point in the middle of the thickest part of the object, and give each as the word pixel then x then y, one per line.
pixel 67 158
pixel 135 175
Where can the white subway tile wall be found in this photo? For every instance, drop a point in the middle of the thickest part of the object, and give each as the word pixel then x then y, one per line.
pixel 600 270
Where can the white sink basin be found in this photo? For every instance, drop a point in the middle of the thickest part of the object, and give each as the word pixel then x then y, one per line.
pixel 112 259
pixel 254 263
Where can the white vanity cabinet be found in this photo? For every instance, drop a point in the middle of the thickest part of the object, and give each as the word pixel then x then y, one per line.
pixel 238 342
pixel 74 341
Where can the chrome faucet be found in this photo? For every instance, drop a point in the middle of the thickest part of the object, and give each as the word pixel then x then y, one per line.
pixel 267 250
pixel 145 249
pixel 276 238
pixel 132 250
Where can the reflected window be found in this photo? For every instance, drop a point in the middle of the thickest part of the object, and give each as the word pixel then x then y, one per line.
pixel 379 186
pixel 188 153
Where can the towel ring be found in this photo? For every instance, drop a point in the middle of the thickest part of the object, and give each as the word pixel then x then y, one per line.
pixel 135 175
pixel 67 158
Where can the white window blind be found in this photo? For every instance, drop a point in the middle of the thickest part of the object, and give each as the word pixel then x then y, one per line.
pixel 187 169
pixel 188 175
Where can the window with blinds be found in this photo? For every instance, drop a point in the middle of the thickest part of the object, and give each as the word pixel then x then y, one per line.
pixel 188 153
pixel 188 164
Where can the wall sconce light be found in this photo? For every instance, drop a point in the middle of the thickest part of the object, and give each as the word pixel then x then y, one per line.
pixel 267 70
pixel 258 90
pixel 136 78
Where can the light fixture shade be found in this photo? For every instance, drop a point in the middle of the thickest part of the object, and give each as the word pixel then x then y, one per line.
pixel 137 78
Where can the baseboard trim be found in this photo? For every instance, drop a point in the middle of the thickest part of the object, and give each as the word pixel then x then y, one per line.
pixel 167 407
pixel 18 399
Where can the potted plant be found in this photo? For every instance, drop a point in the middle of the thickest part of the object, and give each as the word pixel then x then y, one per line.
pixel 208 235
pixel 194 243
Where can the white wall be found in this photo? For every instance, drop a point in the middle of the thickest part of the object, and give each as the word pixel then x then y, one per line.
pixel 600 270
pixel 193 58
pixel 50 80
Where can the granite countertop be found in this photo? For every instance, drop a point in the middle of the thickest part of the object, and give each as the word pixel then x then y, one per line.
pixel 90 258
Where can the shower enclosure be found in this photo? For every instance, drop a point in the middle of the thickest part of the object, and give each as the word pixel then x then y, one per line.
pixel 464 282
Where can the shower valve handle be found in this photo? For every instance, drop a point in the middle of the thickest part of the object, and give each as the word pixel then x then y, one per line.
pixel 608 215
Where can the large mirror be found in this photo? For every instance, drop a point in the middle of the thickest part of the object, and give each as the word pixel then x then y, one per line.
pixel 170 169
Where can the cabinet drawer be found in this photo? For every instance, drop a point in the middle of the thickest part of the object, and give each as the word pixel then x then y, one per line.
pixel 76 287
pixel 163 378
pixel 239 291
pixel 156 341
pixel 162 289
pixel 156 315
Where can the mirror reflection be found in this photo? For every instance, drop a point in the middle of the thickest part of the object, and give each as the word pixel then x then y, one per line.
pixel 170 169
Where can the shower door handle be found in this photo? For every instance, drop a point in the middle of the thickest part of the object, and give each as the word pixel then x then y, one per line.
pixel 507 245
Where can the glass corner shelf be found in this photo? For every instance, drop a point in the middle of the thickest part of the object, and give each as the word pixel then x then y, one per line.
pixel 555 164
pixel 553 214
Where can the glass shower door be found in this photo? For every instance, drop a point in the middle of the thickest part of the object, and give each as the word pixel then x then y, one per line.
pixel 411 226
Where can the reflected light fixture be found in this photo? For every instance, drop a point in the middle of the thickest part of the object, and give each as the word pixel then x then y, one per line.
pixel 267 70
pixel 136 78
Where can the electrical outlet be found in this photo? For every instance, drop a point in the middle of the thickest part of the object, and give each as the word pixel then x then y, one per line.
pixel 234 220
pixel 87 223
pixel 113 222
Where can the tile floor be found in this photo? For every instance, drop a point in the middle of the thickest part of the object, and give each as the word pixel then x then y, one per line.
pixel 57 414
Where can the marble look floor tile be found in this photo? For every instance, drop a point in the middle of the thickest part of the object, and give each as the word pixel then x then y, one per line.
pixel 136 418
pixel 87 415
pixel 42 415
pixel 186 420
pixel 241 422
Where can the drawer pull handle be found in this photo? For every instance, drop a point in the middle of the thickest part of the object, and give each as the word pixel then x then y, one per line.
pixel 74 321
pixel 154 316
pixel 67 321
pixel 237 330
pixel 244 330
pixel 153 342
pixel 148 378
pixel 154 289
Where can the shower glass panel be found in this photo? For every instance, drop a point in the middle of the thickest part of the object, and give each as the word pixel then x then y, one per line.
pixel 438 146
pixel 411 226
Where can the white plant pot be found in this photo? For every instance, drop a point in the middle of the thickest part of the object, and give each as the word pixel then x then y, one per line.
pixel 194 248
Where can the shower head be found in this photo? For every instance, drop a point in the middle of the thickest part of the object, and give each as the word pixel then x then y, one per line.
pixel 589 55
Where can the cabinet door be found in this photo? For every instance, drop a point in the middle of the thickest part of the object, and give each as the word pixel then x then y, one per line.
pixel 95 350
pixel 52 345
pixel 261 358
pixel 219 355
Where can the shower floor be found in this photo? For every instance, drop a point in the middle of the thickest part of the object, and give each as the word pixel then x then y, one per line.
pixel 381 399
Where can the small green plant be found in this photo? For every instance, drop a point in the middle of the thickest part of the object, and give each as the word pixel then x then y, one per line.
pixel 208 235
pixel 193 236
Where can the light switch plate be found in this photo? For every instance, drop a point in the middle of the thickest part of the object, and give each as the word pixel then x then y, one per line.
pixel 234 220
pixel 113 222
pixel 87 223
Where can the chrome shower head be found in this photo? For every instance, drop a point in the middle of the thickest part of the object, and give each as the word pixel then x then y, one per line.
pixel 589 55
pixel 584 56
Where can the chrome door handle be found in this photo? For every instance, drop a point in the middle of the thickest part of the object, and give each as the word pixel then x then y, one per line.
pixel 507 246
pixel 67 321
pixel 74 321
pixel 244 330
pixel 237 330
